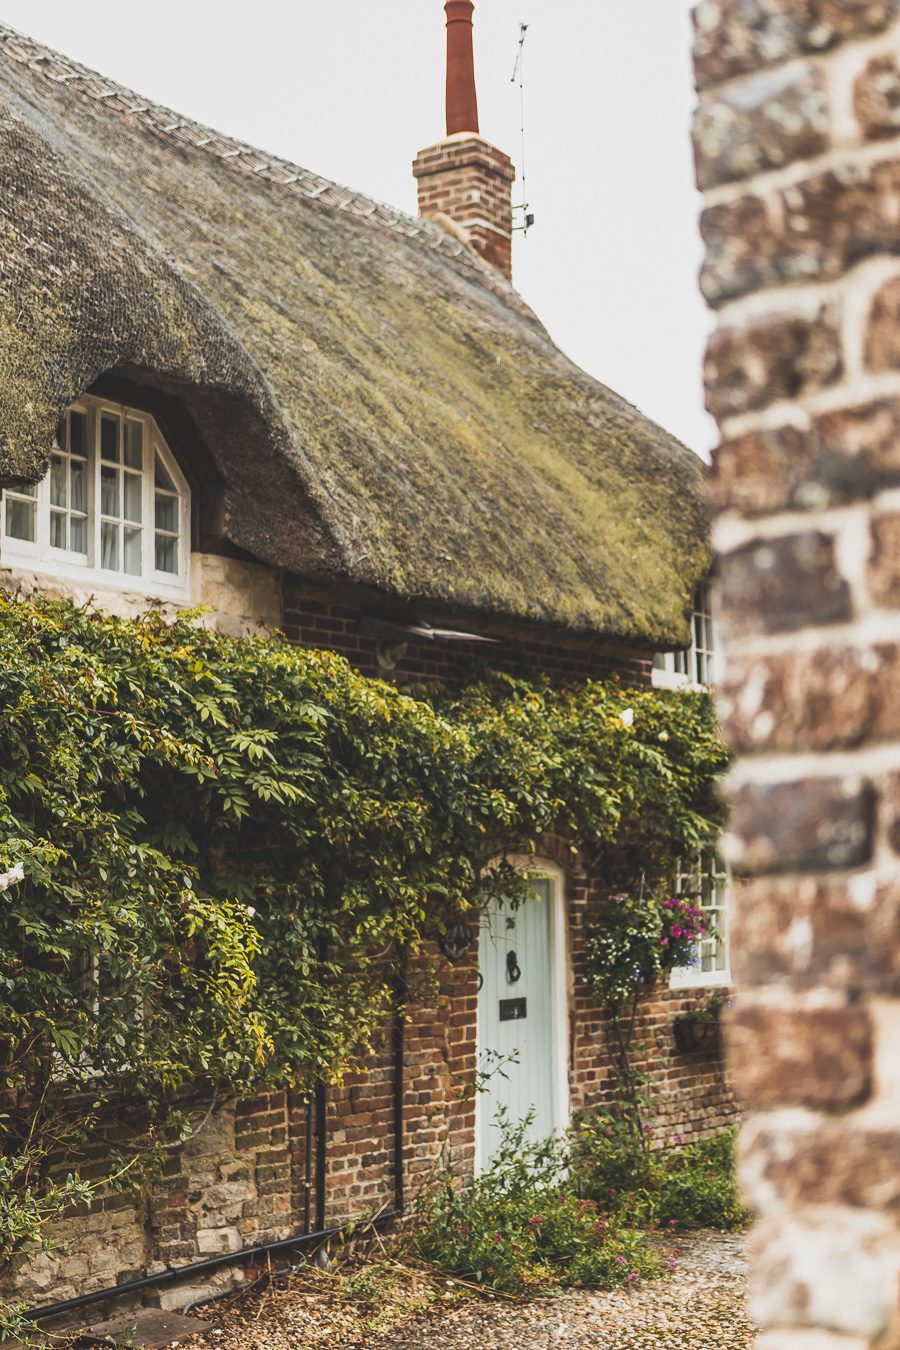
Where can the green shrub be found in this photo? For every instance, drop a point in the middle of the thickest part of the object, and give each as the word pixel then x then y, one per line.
pixel 683 1187
pixel 698 1187
pixel 521 1228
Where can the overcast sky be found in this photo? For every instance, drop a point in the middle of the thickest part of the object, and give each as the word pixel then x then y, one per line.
pixel 353 88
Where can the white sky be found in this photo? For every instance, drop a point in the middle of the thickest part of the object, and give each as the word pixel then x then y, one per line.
pixel 353 88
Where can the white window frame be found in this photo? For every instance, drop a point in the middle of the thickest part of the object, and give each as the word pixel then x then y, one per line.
pixel 691 667
pixel 691 882
pixel 38 555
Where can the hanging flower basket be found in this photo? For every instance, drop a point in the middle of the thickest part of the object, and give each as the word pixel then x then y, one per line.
pixel 698 1037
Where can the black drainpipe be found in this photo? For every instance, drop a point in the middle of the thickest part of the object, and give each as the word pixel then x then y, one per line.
pixel 399 1080
pixel 321 1153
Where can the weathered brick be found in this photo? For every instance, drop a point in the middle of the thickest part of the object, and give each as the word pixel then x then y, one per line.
pixel 774 358
pixel 778 585
pixel 823 700
pixel 818 930
pixel 828 1274
pixel 810 825
pixel 884 561
pixel 882 349
pixel 821 1162
pixel 799 1056
pixel 876 97
pixel 867 435
pixel 763 471
pixel 734 37
pixel 813 230
pixel 890 810
pixel 776 119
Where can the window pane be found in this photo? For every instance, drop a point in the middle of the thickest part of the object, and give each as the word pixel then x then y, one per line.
pixel 162 478
pixel 59 438
pixel 166 554
pixel 109 437
pixel 58 529
pixel 132 551
pixel 77 433
pixel 167 513
pixel 109 547
pixel 134 489
pixel 20 519
pixel 134 441
pixel 78 485
pixel 78 534
pixel 109 492
pixel 58 481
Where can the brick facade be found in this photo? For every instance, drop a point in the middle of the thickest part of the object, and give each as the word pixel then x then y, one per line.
pixel 798 153
pixel 244 1179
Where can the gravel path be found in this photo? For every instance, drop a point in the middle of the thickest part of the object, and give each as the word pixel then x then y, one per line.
pixel 701 1306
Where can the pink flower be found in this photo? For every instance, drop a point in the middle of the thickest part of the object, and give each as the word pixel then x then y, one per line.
pixel 677 930
pixel 620 1261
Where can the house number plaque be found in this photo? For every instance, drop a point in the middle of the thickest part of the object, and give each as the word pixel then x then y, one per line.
pixel 513 1009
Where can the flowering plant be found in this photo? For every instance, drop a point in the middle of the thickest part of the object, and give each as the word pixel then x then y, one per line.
pixel 637 938
pixel 683 925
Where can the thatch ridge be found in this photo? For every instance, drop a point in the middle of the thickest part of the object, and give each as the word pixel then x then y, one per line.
pixel 381 405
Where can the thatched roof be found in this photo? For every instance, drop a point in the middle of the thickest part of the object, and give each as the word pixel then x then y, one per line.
pixel 381 406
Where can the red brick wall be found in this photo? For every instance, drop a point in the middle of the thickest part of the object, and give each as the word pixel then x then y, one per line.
pixel 312 620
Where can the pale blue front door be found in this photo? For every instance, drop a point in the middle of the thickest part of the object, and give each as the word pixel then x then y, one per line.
pixel 521 1016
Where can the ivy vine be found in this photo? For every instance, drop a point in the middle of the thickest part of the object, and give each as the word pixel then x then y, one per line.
pixel 224 843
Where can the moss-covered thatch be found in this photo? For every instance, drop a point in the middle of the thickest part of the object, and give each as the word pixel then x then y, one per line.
pixel 381 406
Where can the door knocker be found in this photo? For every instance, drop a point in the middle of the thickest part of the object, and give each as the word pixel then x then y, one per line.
pixel 513 971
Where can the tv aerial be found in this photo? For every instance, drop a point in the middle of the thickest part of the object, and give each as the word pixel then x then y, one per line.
pixel 525 214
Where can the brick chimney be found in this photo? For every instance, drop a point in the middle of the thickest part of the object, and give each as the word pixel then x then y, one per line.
pixel 464 181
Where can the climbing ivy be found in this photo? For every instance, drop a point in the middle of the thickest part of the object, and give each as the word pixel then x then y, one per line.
pixel 226 842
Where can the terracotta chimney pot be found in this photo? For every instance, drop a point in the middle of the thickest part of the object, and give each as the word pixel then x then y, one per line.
pixel 462 99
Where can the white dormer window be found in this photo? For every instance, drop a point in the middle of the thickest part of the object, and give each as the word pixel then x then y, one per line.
pixel 114 507
pixel 694 666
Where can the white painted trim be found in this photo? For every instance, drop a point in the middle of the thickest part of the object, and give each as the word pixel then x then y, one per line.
pixel 39 557
pixel 684 978
pixel 560 994
pixel 672 679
